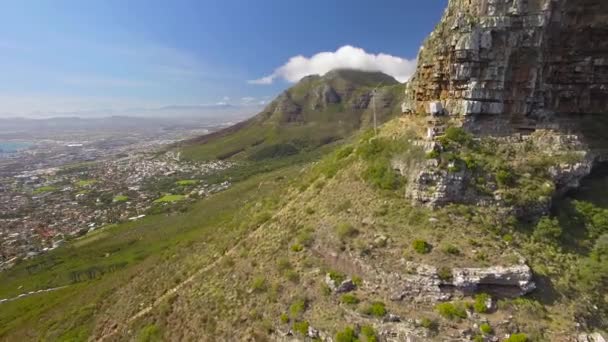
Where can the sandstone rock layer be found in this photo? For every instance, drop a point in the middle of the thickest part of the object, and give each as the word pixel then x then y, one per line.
pixel 522 60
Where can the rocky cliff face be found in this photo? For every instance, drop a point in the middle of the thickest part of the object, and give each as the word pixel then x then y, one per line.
pixel 517 60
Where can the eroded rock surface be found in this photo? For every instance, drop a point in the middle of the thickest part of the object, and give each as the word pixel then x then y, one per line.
pixel 518 60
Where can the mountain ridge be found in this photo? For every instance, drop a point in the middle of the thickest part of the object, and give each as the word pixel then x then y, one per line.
pixel 316 111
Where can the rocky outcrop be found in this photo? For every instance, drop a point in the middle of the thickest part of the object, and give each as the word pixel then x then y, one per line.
pixel 426 284
pixel 518 278
pixel 422 283
pixel 520 61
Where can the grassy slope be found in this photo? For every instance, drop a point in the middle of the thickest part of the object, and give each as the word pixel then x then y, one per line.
pixel 211 226
pixel 249 291
pixel 250 287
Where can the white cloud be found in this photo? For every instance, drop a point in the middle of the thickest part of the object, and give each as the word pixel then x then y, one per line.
pixel 345 57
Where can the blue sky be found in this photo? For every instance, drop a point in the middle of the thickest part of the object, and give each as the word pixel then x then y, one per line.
pixel 75 56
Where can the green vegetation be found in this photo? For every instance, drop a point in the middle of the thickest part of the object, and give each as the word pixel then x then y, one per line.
pixel 480 302
pixel 346 231
pixel 86 182
pixel 43 189
pixel 428 323
pixel 520 337
pixel 301 328
pixel 259 284
pixel 365 334
pixel 149 333
pixel 346 335
pixel 170 199
pixel 336 276
pixel 421 246
pixel 97 266
pixel 451 311
pixel 284 318
pixel 296 247
pixel 349 298
pixel 187 182
pixel 368 334
pixel 378 153
pixel 451 249
pixel 376 309
pixel 485 328
pixel 445 273
pixel 297 308
pixel 547 230
pixel 120 198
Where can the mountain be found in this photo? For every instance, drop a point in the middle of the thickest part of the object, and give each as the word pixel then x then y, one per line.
pixel 316 111
pixel 476 217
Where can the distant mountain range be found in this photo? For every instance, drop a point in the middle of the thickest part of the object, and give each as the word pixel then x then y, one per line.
pixel 211 111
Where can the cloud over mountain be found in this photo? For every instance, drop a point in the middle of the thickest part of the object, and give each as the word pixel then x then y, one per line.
pixel 349 57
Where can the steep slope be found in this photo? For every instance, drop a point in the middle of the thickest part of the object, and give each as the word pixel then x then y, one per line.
pixel 316 111
pixel 518 62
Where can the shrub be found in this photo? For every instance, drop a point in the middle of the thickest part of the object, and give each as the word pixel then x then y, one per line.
pixel 336 276
pixel 149 333
pixel 368 334
pixel 421 246
pixel 457 135
pixel 344 152
pixel 485 328
pixel 325 290
pixel 547 230
pixel 357 281
pixel 478 338
pixel 305 238
pixel 451 249
pixel 297 307
pixel 434 154
pixel 451 311
pixel 284 318
pixel 345 231
pixel 445 273
pixel 259 284
pixel 382 175
pixel 504 178
pixel 309 210
pixel 292 276
pixel 520 337
pixel 301 328
pixel 376 309
pixel 349 298
pixel 296 247
pixel 346 335
pixel 371 149
pixel 428 323
pixel 480 303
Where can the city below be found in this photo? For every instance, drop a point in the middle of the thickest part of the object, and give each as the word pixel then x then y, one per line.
pixel 67 183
